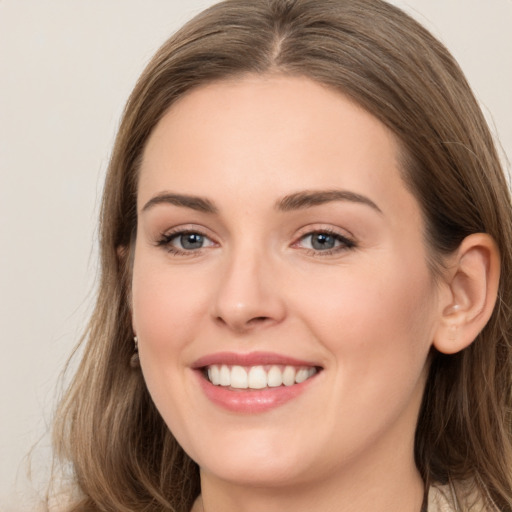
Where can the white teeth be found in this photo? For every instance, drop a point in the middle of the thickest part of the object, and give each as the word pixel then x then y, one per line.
pixel 213 375
pixel 274 377
pixel 225 376
pixel 289 376
pixel 301 375
pixel 257 377
pixel 239 378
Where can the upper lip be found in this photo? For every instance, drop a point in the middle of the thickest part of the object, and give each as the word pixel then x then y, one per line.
pixel 249 359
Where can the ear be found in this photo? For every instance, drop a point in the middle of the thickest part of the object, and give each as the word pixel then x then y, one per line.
pixel 471 288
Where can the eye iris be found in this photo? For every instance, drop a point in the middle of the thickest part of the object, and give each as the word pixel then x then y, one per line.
pixel 321 241
pixel 191 241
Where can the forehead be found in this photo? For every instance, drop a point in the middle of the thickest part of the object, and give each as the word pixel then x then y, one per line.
pixel 266 136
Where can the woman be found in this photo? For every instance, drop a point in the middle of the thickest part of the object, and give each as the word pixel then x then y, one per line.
pixel 304 301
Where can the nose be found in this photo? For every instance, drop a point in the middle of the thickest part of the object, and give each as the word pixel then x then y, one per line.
pixel 249 295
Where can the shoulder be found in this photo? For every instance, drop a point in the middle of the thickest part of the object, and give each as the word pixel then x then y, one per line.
pixel 459 497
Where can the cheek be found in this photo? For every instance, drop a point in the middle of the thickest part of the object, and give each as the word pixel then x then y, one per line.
pixel 378 331
pixel 378 323
pixel 167 305
pixel 168 308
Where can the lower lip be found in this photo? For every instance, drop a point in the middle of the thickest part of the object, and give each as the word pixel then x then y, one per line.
pixel 252 401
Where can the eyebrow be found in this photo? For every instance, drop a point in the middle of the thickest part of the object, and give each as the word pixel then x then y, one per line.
pixel 296 201
pixel 197 203
pixel 308 199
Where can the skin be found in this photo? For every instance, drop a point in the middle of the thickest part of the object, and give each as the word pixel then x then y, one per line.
pixel 367 314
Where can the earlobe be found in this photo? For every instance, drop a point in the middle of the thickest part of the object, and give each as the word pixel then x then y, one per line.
pixel 472 282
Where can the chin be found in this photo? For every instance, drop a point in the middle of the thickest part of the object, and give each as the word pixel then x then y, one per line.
pixel 261 458
pixel 247 470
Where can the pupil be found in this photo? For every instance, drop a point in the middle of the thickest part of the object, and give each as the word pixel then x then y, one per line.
pixel 191 241
pixel 322 241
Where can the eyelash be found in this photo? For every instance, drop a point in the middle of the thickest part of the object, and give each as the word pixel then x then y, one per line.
pixel 166 240
pixel 345 243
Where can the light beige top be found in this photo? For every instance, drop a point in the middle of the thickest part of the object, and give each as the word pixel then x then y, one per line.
pixel 467 499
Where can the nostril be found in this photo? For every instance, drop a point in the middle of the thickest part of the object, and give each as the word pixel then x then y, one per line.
pixel 258 320
pixel 220 320
pixel 241 324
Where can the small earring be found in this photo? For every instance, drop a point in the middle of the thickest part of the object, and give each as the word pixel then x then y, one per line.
pixel 134 360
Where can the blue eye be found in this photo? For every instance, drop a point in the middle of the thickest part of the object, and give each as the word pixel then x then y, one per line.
pixel 190 241
pixel 322 241
pixel 326 242
pixel 185 242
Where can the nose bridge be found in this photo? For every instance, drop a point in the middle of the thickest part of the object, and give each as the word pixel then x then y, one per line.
pixel 247 295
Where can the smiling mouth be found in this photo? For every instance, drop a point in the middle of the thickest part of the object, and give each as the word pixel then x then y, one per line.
pixel 257 377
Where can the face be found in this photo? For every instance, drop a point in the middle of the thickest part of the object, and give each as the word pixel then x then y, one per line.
pixel 281 296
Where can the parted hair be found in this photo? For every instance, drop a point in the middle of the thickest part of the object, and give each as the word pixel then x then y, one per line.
pixel 122 456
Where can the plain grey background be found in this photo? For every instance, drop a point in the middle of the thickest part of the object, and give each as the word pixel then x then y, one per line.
pixel 66 69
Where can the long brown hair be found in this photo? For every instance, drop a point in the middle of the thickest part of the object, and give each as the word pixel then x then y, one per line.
pixel 122 455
